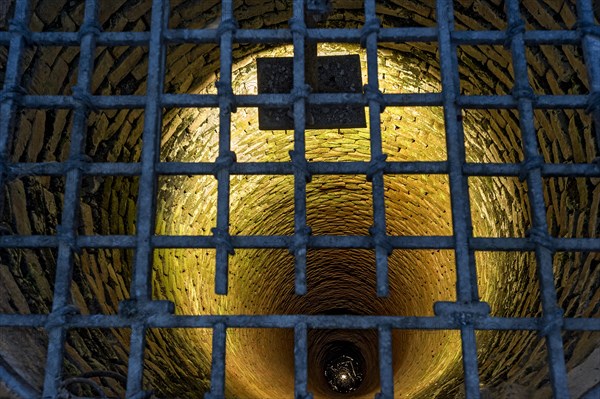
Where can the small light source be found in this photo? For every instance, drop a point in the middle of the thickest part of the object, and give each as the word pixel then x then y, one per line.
pixel 344 368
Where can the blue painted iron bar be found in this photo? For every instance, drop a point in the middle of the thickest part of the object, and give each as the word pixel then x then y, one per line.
pixel 590 43
pixel 532 37
pixel 11 88
pixel 503 244
pixel 466 272
pixel 378 158
pixel 386 367
pixel 260 100
pixel 301 362
pixel 226 158
pixel 141 284
pixel 67 231
pixel 283 36
pixel 217 370
pixel 298 155
pixel 290 321
pixel 535 191
pixel 16 170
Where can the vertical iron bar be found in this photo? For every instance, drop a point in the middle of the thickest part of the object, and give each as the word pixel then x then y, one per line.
pixel 301 230
pixel 141 286
pixel 544 254
pixel 466 278
pixel 223 186
pixel 217 372
pixel 135 367
pixel 386 369
pixel 377 156
pixel 12 80
pixel 591 52
pixel 301 362
pixel 67 231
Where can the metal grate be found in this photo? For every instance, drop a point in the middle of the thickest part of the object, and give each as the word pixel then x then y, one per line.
pixel 467 314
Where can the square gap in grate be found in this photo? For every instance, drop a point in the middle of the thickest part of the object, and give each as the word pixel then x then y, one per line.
pixel 557 70
pixel 413 134
pixel 582 355
pixel 186 277
pixel 577 276
pixel 24 352
pixel 270 15
pixel 115 135
pixel 108 205
pixel 42 135
pixel 124 16
pixel 420 360
pixel 120 71
pixel 565 136
pixel 192 68
pixel 28 279
pixel 260 362
pixel 492 136
pixel 499 206
pixel 97 358
pixel 190 135
pixel 410 15
pixel 522 357
pixel 562 15
pixel 261 282
pixel 342 281
pixel 186 205
pixel 177 362
pixel 337 145
pixel 508 282
pixel 33 205
pixel 573 206
pixel 418 205
pixel 406 68
pixel 254 145
pixel 244 75
pixel 50 70
pixel 262 205
pixel 101 279
pixel 339 205
pixel 419 279
pixel 485 70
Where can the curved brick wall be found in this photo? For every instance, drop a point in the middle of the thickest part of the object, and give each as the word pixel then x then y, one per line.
pixel 260 362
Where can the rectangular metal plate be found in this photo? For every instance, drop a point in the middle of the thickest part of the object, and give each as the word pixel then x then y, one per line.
pixel 336 74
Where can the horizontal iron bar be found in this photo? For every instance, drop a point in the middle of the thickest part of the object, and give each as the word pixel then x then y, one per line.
pixel 286 168
pixel 504 244
pixel 543 101
pixel 289 321
pixel 532 37
pixel 284 36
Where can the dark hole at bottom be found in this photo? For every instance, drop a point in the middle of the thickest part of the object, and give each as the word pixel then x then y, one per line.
pixel 343 367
